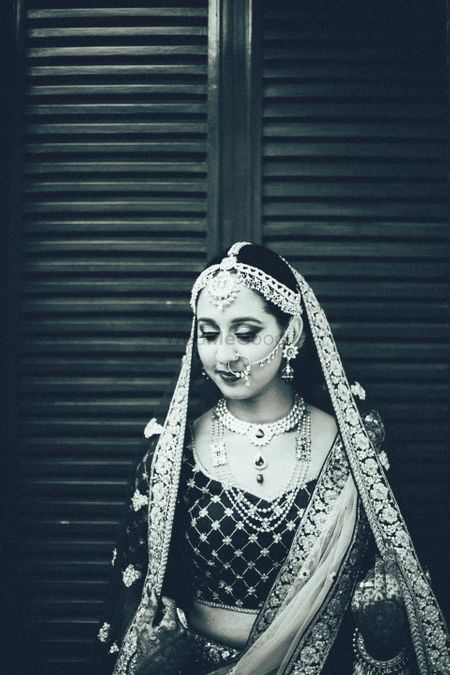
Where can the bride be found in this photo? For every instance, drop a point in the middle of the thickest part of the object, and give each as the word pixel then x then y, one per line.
pixel 261 535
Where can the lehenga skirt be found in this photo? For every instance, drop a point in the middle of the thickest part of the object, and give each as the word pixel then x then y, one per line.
pixel 210 655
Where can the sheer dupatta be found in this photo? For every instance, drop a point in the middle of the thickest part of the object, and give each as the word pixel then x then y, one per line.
pixel 293 645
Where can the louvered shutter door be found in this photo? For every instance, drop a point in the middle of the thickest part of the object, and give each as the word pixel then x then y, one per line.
pixel 354 193
pixel 114 229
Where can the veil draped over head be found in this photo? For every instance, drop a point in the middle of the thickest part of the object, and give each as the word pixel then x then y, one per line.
pixel 285 637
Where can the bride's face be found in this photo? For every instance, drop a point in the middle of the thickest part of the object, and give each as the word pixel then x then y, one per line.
pixel 244 326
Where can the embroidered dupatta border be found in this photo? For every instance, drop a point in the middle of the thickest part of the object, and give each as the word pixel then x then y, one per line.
pixel 314 646
pixel 427 624
pixel 328 488
pixel 163 490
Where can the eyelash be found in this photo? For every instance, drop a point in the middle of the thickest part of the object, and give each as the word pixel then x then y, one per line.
pixel 245 337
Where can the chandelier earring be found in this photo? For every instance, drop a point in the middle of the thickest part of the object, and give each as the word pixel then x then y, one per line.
pixel 290 351
pixel 204 374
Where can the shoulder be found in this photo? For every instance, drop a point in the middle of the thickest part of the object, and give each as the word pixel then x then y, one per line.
pixel 323 425
pixel 202 424
pixel 323 432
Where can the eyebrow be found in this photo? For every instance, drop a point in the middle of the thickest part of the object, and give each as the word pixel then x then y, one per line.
pixel 241 319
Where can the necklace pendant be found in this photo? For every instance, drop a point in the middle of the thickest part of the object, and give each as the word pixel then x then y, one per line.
pixel 260 462
pixel 260 478
pixel 219 455
pixel 258 437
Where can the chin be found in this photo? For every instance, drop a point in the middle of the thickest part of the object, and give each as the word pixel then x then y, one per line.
pixel 236 396
pixel 237 391
pixel 241 394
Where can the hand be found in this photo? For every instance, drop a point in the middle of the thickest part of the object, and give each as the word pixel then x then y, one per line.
pixel 379 611
pixel 166 647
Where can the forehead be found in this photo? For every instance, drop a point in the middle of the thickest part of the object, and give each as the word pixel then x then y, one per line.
pixel 247 303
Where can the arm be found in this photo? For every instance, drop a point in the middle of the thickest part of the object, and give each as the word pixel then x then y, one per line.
pixel 129 562
pixel 380 618
pixel 381 626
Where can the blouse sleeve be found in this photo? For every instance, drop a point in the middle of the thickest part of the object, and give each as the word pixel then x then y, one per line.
pixel 129 562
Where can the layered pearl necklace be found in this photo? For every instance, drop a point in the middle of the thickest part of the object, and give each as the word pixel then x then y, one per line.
pixel 262 519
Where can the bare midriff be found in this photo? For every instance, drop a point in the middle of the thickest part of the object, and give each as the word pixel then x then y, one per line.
pixel 220 624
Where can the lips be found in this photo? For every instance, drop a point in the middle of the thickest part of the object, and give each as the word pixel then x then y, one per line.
pixel 227 377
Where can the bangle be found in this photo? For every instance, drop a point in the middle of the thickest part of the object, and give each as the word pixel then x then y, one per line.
pixel 367 665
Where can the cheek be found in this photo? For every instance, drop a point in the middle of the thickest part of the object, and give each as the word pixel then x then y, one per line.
pixel 270 369
pixel 204 352
pixel 263 348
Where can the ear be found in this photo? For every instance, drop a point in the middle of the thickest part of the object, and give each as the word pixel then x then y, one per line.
pixel 296 329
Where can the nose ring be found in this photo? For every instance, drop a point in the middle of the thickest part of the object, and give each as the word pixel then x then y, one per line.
pixel 243 373
pixel 236 358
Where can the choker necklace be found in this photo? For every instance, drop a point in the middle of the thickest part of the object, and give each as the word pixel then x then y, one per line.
pixel 261 434
pixel 298 416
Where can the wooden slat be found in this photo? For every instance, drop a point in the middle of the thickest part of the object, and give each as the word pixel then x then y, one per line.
pixel 117 223
pixel 135 13
pixel 130 51
pixel 103 70
pixel 114 109
pixel 360 110
pixel 126 128
pixel 106 149
pixel 392 150
pixel 135 31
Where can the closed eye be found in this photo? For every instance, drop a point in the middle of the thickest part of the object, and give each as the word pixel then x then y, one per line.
pixel 246 337
pixel 209 337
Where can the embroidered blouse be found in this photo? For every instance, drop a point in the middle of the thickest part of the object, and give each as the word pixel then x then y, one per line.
pixel 230 562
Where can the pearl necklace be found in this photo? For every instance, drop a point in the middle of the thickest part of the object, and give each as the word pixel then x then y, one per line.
pixel 259 518
pixel 261 434
pixel 258 434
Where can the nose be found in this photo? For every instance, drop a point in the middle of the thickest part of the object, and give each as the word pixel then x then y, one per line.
pixel 226 352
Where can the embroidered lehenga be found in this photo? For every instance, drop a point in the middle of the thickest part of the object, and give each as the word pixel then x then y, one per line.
pixel 186 536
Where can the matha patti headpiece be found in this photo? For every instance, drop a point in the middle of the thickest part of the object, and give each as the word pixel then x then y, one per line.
pixel 222 282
